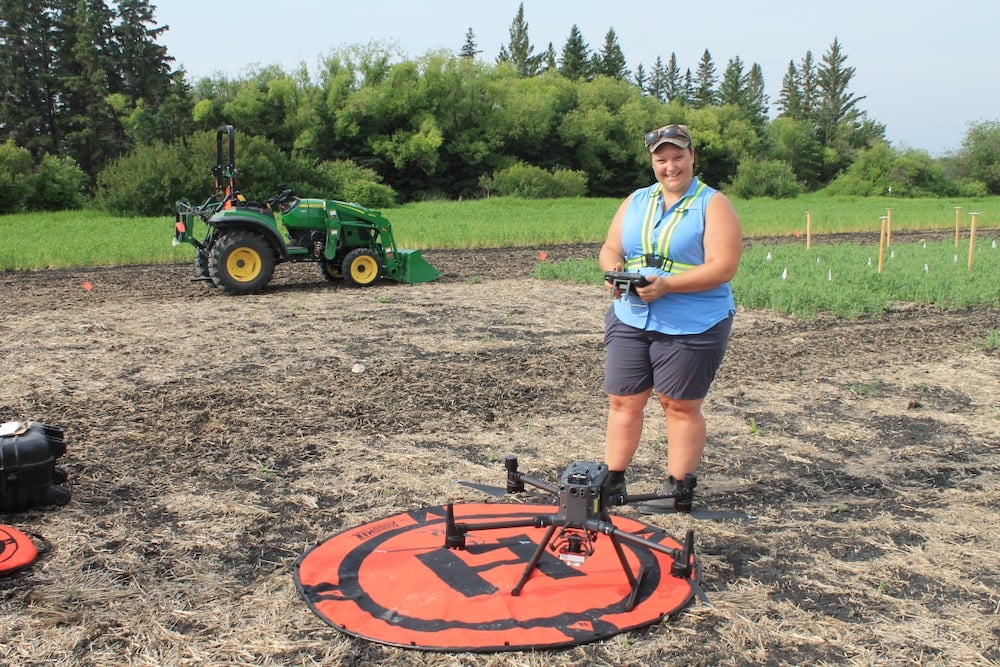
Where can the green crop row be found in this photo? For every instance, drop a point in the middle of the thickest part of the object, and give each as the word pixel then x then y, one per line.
pixel 844 279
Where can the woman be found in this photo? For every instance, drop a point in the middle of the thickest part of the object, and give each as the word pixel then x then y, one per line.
pixel 671 335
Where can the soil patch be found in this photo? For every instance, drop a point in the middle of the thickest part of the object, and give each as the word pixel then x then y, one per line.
pixel 213 439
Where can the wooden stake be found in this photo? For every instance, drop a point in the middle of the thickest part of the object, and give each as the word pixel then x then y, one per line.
pixel 881 245
pixel 957 209
pixel 809 230
pixel 972 240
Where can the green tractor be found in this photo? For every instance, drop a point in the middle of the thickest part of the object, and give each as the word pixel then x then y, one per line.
pixel 245 239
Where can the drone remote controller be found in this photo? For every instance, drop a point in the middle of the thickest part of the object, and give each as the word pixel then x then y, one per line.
pixel 626 281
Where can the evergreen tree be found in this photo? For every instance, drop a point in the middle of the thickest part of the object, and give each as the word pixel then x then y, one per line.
pixel 141 67
pixel 610 61
pixel 837 104
pixel 520 53
pixel 469 49
pixel 29 105
pixel 640 77
pixel 808 88
pixel 790 96
pixel 755 102
pixel 674 83
pixel 75 70
pixel 575 61
pixel 550 62
pixel 688 90
pixel 657 86
pixel 705 81
pixel 92 133
pixel 732 89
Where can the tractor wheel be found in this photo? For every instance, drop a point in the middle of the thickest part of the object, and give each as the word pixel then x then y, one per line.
pixel 361 267
pixel 330 270
pixel 241 263
pixel 203 256
pixel 201 261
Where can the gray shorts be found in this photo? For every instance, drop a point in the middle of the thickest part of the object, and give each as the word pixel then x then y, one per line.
pixel 680 367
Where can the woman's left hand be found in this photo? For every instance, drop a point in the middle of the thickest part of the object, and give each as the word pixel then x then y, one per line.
pixel 656 288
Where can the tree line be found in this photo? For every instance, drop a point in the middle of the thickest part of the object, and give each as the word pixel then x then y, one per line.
pixel 97 113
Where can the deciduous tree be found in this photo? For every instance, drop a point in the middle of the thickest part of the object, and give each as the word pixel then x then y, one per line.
pixel 980 154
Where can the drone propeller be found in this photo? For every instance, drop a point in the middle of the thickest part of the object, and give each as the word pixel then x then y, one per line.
pixel 700 592
pixel 485 488
pixel 714 515
pixel 700 514
pixel 516 482
pixel 499 491
pixel 683 567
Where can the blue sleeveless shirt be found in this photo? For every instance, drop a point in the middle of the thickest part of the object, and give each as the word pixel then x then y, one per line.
pixel 673 313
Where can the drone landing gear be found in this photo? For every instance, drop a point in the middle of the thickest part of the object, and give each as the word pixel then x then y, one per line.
pixel 575 543
pixel 582 516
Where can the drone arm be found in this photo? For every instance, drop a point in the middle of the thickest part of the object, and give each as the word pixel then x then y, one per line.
pixel 609 529
pixel 537 483
pixel 642 497
pixel 529 522
pixel 455 532
pixel 516 480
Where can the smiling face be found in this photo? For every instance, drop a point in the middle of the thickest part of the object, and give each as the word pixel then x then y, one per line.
pixel 674 168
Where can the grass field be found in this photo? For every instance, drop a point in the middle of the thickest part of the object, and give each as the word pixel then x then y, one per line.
pixel 784 277
pixel 89 238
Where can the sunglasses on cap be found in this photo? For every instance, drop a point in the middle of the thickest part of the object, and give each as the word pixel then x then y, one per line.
pixel 678 135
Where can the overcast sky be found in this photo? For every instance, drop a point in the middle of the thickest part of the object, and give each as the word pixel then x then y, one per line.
pixel 926 69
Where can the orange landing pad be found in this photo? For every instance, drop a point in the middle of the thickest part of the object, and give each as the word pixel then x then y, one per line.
pixel 393 581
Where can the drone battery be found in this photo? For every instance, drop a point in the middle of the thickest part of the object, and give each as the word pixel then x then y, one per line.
pixel 29 476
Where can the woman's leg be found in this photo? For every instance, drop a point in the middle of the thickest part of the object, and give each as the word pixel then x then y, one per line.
pixel 685 435
pixel 625 418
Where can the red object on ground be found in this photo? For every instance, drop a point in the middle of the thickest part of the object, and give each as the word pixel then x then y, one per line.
pixel 16 550
pixel 393 581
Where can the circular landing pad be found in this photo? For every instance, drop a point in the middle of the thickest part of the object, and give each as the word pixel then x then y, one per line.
pixel 393 581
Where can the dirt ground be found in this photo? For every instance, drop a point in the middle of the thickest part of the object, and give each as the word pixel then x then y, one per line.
pixel 213 439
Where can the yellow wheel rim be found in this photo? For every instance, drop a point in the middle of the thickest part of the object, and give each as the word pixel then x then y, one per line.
pixel 243 264
pixel 364 269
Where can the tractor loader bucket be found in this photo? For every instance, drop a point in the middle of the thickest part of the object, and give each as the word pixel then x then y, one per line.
pixel 413 268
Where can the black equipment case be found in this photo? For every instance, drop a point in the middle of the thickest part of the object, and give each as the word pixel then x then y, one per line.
pixel 29 475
